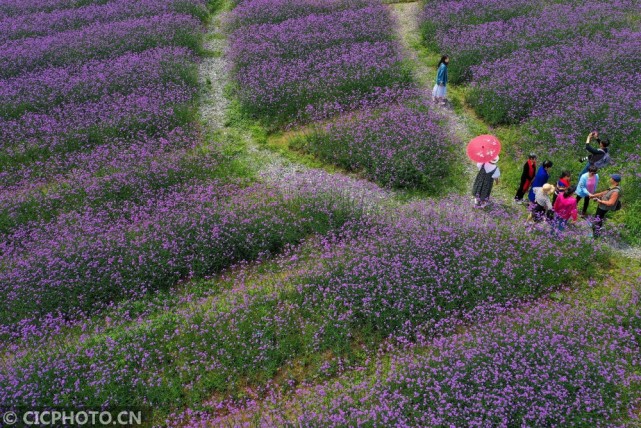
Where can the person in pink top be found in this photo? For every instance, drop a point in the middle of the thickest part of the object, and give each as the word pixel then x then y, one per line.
pixel 565 208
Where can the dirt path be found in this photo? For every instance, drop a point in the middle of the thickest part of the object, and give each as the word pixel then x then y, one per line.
pixel 213 76
pixel 407 29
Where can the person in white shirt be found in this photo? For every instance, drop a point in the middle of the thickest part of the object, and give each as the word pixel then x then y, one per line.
pixel 487 176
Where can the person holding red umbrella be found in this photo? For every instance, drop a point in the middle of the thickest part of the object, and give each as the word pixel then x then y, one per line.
pixel 489 174
pixel 484 150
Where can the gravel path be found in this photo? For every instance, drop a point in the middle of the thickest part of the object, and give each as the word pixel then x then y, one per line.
pixel 213 78
pixel 270 166
pixel 407 29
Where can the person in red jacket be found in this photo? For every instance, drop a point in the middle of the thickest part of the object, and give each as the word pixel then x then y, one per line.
pixel 561 185
pixel 529 171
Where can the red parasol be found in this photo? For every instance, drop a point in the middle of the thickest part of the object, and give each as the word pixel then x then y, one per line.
pixel 483 148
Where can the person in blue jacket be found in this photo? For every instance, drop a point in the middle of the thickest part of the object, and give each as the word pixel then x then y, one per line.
pixel 440 88
pixel 542 176
pixel 586 188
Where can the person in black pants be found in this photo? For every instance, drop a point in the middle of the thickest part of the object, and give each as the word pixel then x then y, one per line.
pixel 588 183
pixel 529 171
pixel 607 201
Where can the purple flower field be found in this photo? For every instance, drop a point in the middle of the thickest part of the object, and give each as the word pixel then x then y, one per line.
pixel 45 23
pixel 379 275
pixel 275 11
pixel 93 79
pixel 153 253
pixel 345 55
pixel 542 366
pixel 101 40
pixel 399 147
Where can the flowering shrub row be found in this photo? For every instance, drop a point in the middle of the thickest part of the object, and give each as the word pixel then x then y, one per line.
pixel 474 44
pixel 343 55
pixel 575 73
pixel 101 40
pixel 91 80
pixel 405 275
pixel 44 24
pixel 135 174
pixel 400 147
pixel 17 7
pixel 87 258
pixel 298 36
pixel 546 366
pixel 275 11
pixel 79 127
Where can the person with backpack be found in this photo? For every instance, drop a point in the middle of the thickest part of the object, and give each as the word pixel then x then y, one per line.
pixel 440 88
pixel 598 157
pixel 609 200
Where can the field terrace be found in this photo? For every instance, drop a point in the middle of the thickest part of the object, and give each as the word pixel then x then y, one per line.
pixel 142 267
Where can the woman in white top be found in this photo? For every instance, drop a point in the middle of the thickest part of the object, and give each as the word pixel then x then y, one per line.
pixel 542 203
pixel 488 175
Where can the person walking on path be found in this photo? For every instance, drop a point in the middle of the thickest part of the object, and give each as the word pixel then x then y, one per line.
pixel 598 157
pixel 529 171
pixel 440 88
pixel 565 209
pixel 542 177
pixel 561 185
pixel 588 184
pixel 607 202
pixel 488 175
pixel 542 205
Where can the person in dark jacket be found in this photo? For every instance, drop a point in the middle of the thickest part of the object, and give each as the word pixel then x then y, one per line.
pixel 596 156
pixel 561 185
pixel 529 171
pixel 542 176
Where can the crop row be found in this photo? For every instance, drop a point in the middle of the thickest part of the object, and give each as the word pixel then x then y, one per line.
pixel 545 366
pixel 101 40
pixel 44 24
pixel 345 55
pixel 399 147
pixel 41 90
pixel 89 257
pixel 408 274
pixel 135 173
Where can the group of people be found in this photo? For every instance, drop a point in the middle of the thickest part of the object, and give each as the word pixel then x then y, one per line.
pixel 558 204
pixel 565 196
